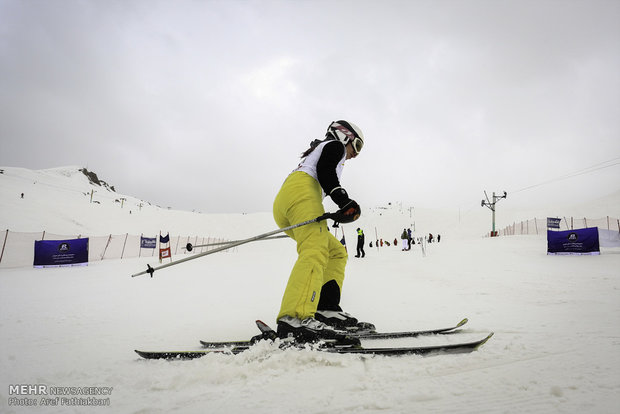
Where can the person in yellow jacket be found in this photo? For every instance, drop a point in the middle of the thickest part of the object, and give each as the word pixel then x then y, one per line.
pixel 310 307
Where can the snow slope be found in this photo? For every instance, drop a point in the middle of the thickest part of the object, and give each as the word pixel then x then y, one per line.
pixel 556 319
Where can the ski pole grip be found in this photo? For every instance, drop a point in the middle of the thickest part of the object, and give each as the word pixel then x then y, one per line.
pixel 323 217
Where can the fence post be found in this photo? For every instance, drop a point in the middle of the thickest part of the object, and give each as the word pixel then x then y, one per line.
pixel 106 246
pixel 176 248
pixel 4 244
pixel 585 222
pixel 536 225
pixel 124 244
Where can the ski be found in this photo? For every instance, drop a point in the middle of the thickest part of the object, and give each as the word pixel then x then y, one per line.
pixel 461 347
pixel 407 334
pixel 358 334
pixel 188 354
pixel 456 348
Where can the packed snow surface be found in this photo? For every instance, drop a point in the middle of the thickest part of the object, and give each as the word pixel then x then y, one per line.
pixel 556 319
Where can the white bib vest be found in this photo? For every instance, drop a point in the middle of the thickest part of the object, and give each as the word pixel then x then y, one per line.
pixel 308 164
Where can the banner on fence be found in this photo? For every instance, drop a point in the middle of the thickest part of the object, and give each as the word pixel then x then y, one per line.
pixel 55 253
pixel 165 253
pixel 580 241
pixel 553 223
pixel 148 242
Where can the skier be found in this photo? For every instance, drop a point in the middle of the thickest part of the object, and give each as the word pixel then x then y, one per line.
pixel 310 308
pixel 360 243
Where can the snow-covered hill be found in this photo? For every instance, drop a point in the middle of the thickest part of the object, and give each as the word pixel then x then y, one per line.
pixel 556 319
pixel 58 201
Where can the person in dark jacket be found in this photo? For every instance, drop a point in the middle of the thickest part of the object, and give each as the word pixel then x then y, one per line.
pixel 360 243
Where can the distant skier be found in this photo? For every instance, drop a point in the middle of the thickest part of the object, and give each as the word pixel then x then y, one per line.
pixel 310 308
pixel 405 240
pixel 360 243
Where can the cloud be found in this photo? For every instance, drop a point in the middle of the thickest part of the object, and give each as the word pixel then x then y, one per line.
pixel 207 105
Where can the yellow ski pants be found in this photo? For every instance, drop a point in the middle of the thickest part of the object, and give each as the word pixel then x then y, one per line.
pixel 321 256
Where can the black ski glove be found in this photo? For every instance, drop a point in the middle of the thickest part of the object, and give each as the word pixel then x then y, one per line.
pixel 347 214
pixel 349 209
pixel 340 197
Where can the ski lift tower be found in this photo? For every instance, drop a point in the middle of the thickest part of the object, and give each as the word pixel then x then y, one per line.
pixel 491 206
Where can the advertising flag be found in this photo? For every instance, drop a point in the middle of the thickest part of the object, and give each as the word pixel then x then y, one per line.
pixel 553 223
pixel 148 242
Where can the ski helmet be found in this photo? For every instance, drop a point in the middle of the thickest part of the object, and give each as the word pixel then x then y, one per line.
pixel 346 132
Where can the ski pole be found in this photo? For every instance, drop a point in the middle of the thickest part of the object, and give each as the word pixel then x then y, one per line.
pixel 189 247
pixel 150 270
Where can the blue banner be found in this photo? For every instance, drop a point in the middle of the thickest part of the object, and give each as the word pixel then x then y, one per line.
pixel 580 241
pixel 60 252
pixel 148 242
pixel 165 239
pixel 553 223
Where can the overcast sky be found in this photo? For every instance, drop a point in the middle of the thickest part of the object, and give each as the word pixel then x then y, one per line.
pixel 206 105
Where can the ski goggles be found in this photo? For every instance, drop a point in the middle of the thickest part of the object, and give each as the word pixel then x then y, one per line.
pixel 346 135
pixel 358 144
